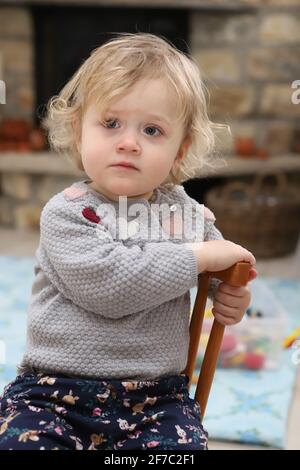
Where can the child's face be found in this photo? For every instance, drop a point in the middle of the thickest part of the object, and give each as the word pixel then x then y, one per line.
pixel 130 133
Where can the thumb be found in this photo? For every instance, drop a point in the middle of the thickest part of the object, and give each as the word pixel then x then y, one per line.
pixel 252 274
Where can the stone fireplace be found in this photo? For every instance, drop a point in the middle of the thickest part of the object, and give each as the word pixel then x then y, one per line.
pixel 59 52
pixel 248 50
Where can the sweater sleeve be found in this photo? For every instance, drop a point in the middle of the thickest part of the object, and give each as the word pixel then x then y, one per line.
pixel 104 276
pixel 210 233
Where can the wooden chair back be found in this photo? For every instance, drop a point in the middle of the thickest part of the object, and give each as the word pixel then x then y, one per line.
pixel 237 275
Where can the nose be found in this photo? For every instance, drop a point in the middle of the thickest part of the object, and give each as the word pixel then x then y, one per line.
pixel 129 145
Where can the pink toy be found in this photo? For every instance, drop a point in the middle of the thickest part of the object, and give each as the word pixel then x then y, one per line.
pixel 229 343
pixel 254 360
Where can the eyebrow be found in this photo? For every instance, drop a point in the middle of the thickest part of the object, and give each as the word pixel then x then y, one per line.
pixel 156 117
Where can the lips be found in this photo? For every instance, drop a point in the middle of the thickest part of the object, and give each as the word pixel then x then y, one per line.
pixel 125 165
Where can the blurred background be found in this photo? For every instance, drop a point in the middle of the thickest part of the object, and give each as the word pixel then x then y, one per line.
pixel 249 54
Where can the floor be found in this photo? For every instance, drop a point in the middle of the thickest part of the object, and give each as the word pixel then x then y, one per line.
pixel 24 243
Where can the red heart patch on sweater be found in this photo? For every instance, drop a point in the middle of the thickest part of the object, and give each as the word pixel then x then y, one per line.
pixel 90 215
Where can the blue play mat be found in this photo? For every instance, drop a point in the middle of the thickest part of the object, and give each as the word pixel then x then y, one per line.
pixel 244 406
pixel 252 406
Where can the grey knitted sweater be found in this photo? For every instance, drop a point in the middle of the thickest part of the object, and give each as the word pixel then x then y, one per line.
pixel 107 304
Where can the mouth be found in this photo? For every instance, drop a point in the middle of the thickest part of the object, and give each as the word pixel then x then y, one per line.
pixel 125 166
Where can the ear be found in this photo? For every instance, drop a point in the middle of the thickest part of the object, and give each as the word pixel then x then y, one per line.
pixel 77 131
pixel 183 149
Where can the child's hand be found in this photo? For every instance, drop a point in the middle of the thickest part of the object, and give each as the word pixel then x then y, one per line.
pixel 216 255
pixel 230 303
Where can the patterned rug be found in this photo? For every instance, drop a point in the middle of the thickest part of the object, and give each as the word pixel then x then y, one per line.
pixel 244 406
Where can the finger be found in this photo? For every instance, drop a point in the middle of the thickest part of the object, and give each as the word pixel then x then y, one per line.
pixel 252 274
pixel 252 258
pixel 249 257
pixel 225 310
pixel 228 299
pixel 234 302
pixel 224 320
pixel 232 290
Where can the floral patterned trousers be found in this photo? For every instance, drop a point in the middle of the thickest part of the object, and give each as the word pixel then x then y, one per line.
pixel 45 411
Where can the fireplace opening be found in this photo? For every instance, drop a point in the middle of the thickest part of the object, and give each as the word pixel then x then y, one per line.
pixel 64 37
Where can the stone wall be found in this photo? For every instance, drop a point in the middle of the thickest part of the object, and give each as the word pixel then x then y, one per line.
pixel 249 60
pixel 16 48
pixel 24 196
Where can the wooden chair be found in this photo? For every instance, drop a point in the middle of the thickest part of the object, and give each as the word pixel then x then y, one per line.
pixel 237 275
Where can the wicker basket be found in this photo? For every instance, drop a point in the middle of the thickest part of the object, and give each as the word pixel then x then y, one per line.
pixel 264 219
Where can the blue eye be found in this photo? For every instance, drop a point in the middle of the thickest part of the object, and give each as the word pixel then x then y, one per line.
pixel 110 123
pixel 153 129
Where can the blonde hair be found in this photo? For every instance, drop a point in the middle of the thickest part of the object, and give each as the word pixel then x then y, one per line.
pixel 110 71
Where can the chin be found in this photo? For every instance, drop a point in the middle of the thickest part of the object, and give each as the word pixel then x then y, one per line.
pixel 125 190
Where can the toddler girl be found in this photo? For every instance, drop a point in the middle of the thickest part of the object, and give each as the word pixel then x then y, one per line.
pixel 108 320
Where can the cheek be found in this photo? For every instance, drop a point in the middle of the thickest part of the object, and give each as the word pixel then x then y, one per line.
pixel 89 155
pixel 167 158
pixel 165 154
pixel 160 167
pixel 91 144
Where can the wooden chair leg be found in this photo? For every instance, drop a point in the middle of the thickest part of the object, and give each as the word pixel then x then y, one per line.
pixel 237 275
pixel 196 324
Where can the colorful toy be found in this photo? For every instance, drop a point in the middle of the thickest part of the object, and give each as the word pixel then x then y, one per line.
pixel 254 360
pixel 247 348
pixel 229 343
pixel 235 359
pixel 256 342
pixel 288 341
pixel 254 313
